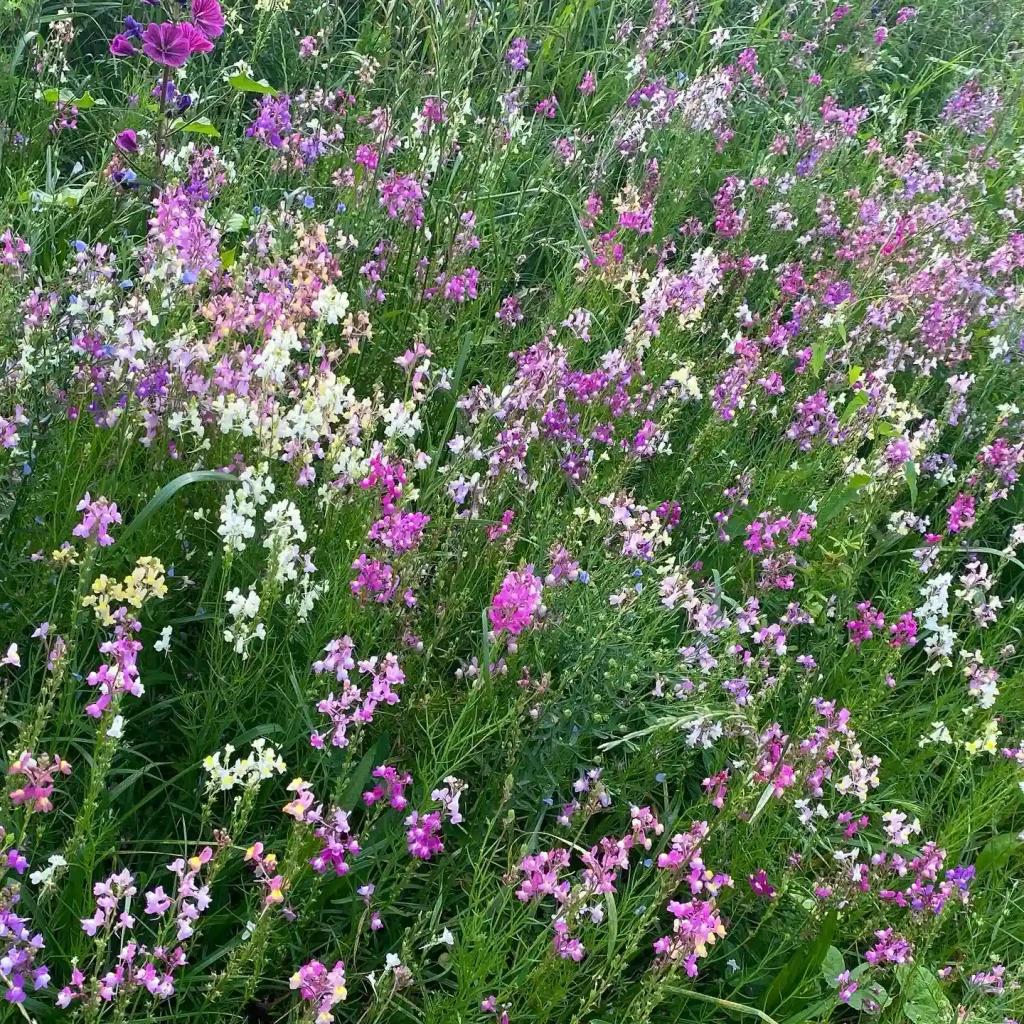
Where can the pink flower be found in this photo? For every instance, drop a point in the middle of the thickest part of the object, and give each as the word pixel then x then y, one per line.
pixel 157 901
pixel 166 44
pixel 99 516
pixel 120 46
pixel 208 18
pixel 423 836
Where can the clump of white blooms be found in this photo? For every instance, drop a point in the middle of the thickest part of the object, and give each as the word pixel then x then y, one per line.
pixel 243 610
pixel 449 797
pixel 331 305
pixel 262 762
pixel 282 540
pixel 939 635
pixel 238 513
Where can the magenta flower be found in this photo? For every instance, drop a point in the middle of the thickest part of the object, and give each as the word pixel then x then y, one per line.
pixel 515 604
pixel 208 18
pixel 166 44
pixel 121 46
pixel 759 884
pixel 126 141
pixel 197 42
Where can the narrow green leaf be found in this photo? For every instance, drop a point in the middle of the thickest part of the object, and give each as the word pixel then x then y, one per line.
pixel 167 492
pixel 613 922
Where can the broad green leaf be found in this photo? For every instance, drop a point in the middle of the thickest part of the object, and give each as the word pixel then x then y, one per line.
pixel 832 966
pixel 227 258
pixel 996 852
pixel 924 1002
pixel 869 991
pixel 859 400
pixel 201 126
pixel 246 84
pixel 805 962
pixel 84 102
pixel 818 358
pixel 910 472
pixel 855 374
pixel 841 496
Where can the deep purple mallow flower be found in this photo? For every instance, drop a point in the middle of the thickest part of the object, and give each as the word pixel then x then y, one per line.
pixel 207 17
pixel 197 42
pixel 121 46
pixel 166 44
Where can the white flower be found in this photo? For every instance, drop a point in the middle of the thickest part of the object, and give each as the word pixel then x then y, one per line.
pixel 262 762
pixel 44 876
pixel 116 730
pixel 164 643
pixel 331 304
pixel 11 657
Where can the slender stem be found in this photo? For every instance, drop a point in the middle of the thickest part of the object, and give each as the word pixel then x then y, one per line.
pixel 728 1004
pixel 158 176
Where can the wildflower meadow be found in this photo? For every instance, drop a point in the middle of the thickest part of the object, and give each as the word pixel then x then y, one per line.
pixel 510 511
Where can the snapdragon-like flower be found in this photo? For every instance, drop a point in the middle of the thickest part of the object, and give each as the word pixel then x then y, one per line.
pixel 517 602
pixel 36 790
pixel 353 706
pixel 261 763
pixel 98 516
pixel 423 835
pixel 22 947
pixel 320 986
pixel 391 787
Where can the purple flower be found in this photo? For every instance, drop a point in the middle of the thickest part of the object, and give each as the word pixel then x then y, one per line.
pixel 207 17
pixel 516 56
pixel 121 46
pixel 126 141
pixel 759 884
pixel 132 27
pixel 166 44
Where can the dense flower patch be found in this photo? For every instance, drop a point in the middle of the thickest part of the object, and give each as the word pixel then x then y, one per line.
pixel 575 452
